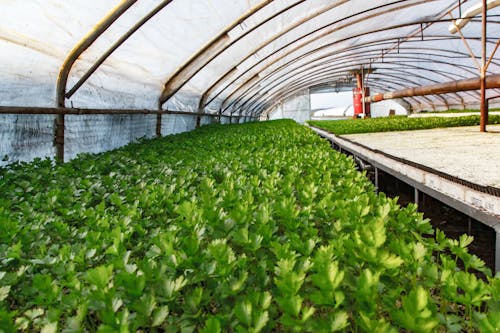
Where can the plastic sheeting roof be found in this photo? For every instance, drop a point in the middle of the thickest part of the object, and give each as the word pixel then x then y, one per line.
pixel 241 55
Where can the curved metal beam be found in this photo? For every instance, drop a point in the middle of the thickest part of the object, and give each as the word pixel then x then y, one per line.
pixel 321 80
pixel 84 44
pixel 116 45
pixel 206 54
pixel 328 32
pixel 262 105
pixel 357 65
pixel 210 90
pixel 78 49
pixel 341 66
pixel 302 56
pixel 346 53
pixel 248 88
pixel 337 61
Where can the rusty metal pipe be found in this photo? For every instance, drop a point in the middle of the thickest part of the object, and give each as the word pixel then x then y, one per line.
pixel 116 44
pixel 492 81
pixel 483 108
pixel 81 112
pixel 84 44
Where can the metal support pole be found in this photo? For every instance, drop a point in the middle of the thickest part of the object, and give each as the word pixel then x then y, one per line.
pixel 484 111
pixel 158 125
pixel 416 196
pixel 497 252
pixel 59 137
pixel 376 179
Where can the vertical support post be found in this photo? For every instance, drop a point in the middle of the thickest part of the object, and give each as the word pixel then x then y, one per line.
pixel 59 137
pixel 363 90
pixel 416 196
pixel 376 179
pixel 158 124
pixel 484 111
pixel 497 252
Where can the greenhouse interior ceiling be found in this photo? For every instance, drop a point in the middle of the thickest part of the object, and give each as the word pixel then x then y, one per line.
pixel 206 60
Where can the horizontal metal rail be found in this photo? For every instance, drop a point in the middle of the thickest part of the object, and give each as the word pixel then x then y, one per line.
pixel 77 111
pixel 492 81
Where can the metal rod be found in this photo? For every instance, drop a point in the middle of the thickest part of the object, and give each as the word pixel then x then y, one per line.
pixel 464 40
pixel 279 34
pixel 68 63
pixel 491 81
pixel 84 44
pixel 158 125
pixel 484 111
pixel 80 112
pixel 492 54
pixel 212 50
pixel 117 44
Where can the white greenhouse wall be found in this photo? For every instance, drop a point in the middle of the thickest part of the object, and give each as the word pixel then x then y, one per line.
pixel 25 137
pixel 296 107
pixel 99 133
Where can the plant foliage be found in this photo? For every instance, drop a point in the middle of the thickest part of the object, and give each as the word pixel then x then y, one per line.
pixel 241 228
pixel 398 123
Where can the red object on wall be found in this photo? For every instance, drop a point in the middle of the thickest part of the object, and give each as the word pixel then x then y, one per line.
pixel 357 98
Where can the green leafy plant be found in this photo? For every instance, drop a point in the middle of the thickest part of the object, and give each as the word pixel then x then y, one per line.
pixel 259 227
pixel 399 123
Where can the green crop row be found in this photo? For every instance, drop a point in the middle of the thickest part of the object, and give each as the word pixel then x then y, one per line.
pixel 371 125
pixel 238 228
pixel 460 111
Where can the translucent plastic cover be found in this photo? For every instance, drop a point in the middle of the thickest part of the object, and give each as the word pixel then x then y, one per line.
pixel 233 57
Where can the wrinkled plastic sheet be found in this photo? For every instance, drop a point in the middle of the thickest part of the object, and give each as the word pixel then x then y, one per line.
pixel 99 133
pixel 296 107
pixel 25 137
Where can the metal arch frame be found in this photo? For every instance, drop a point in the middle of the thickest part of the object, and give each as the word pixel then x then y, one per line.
pixel 242 95
pixel 419 60
pixel 296 86
pixel 116 45
pixel 211 50
pixel 289 88
pixel 357 65
pixel 281 33
pixel 196 64
pixel 257 112
pixel 295 48
pixel 410 67
pixel 298 59
pixel 350 64
pixel 326 77
pixel 84 44
pixel 235 101
pixel 71 58
pixel 264 104
pixel 354 55
pixel 81 47
pixel 336 62
pixel 304 55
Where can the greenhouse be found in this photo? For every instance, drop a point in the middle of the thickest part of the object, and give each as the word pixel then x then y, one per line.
pixel 191 166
